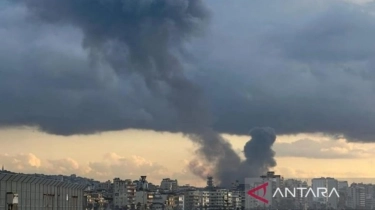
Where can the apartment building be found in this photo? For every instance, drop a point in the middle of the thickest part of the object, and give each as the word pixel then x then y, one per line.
pixel 106 186
pixel 220 199
pixel 168 184
pixel 123 193
pixel 192 200
pixel 298 200
pixel 330 184
pixel 356 196
pixel 238 199
pixel 181 202
pixel 144 198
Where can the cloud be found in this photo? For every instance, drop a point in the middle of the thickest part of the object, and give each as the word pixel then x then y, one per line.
pixel 118 166
pixel 24 162
pixel 307 148
pixel 111 166
pixel 296 66
pixel 281 69
pixel 307 175
pixel 63 166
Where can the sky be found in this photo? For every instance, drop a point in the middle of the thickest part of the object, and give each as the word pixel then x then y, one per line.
pixel 304 68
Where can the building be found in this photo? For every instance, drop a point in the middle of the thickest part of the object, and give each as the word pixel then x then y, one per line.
pixel 95 201
pixel 28 192
pixel 273 182
pixel 169 185
pixel 330 184
pixel 210 182
pixel 298 201
pixel 220 199
pixel 238 199
pixel 158 203
pixel 144 198
pixel 356 196
pixel 106 186
pixel 343 186
pixel 191 199
pixel 123 193
pixel 181 202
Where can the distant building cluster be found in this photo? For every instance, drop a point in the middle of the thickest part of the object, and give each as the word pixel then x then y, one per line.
pixel 323 193
pixel 269 192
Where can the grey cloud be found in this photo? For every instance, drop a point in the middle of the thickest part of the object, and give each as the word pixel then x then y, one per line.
pixel 47 81
pixel 266 83
pixel 248 82
pixel 340 34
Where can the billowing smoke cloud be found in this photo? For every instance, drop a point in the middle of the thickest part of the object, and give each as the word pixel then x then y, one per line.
pixel 258 152
pixel 259 158
pixel 145 38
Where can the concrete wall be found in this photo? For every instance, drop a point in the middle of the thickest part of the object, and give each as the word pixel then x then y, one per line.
pixel 40 194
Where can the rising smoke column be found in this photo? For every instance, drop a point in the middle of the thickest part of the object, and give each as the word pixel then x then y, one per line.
pixel 258 151
pixel 259 157
pixel 142 37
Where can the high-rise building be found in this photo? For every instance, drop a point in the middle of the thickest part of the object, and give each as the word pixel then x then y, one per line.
pixel 210 182
pixel 333 199
pixel 273 182
pixel 123 193
pixel 356 196
pixel 330 184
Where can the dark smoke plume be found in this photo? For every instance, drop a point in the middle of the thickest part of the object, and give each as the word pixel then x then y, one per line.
pixel 258 152
pixel 143 37
pixel 259 157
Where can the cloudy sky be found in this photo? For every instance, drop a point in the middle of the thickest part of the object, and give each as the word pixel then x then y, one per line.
pixel 304 68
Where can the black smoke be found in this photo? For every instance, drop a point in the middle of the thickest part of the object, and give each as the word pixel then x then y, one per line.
pixel 259 158
pixel 258 151
pixel 145 37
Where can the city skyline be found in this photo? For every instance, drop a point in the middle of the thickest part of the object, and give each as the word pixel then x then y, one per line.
pixel 125 193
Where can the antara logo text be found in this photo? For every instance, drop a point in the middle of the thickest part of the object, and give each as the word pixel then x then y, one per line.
pixel 294 192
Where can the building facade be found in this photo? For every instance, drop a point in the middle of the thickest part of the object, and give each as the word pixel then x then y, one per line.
pixel 27 192
pixel 168 184
pixel 124 192
pixel 329 184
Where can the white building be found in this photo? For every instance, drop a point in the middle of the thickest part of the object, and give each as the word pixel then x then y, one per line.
pixel 123 192
pixel 319 183
pixel 299 201
pixel 329 184
pixel 144 198
pixel 220 199
pixel 191 200
pixel 181 202
pixel 333 199
pixel 208 200
pixel 274 182
pixel 168 184
pixel 158 202
pixel 238 198
pixel 356 196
